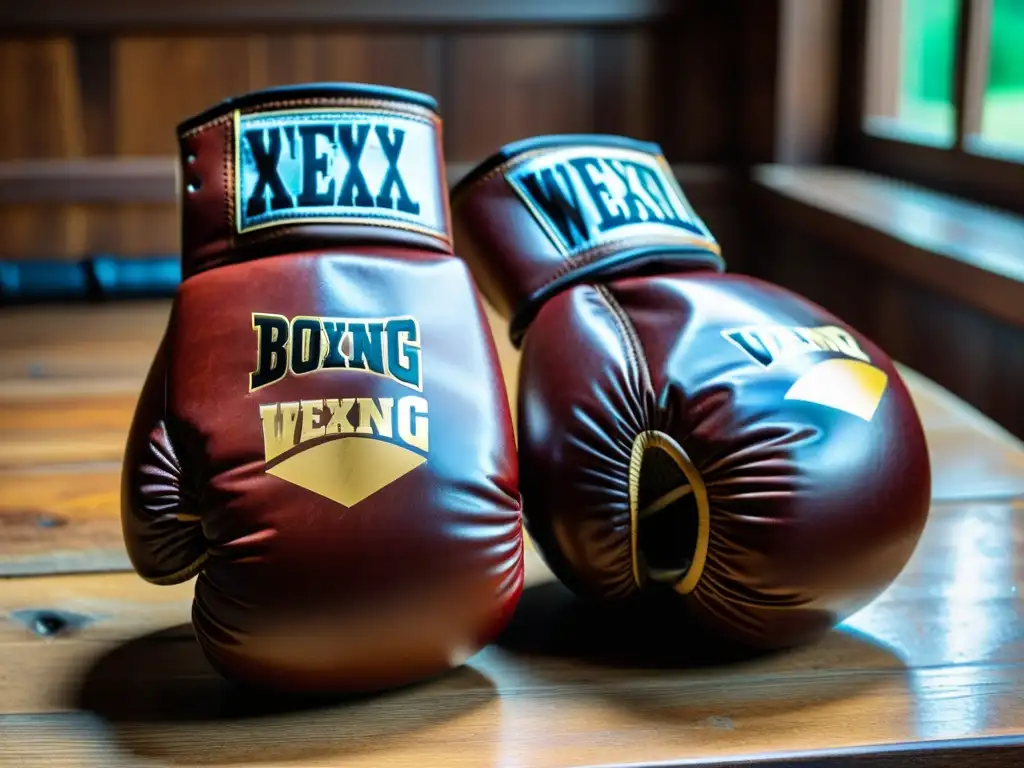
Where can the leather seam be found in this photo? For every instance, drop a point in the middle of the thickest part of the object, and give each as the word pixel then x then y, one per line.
pixel 413 112
pixel 572 261
pixel 639 361
pixel 182 574
pixel 228 170
pixel 630 337
pixel 500 169
pixel 284 230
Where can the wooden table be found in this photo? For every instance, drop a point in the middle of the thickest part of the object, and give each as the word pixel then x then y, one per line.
pixel 99 669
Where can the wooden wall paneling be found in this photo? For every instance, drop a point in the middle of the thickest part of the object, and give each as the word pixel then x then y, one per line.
pixel 403 60
pixel 506 86
pixel 41 116
pixel 693 83
pixel 974 355
pixel 40 104
pixel 953 344
pixel 94 68
pixel 149 226
pixel 1004 392
pixel 158 81
pixel 807 82
pixel 754 96
pixel 625 84
pixel 69 232
pixel 845 287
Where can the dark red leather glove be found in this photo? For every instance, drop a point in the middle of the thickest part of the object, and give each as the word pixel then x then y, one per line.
pixel 685 434
pixel 324 437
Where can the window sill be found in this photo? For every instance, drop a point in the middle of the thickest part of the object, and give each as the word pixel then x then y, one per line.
pixel 965 250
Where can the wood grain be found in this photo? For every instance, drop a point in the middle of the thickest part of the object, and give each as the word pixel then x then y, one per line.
pixel 694 65
pixel 71 351
pixel 509 86
pixel 959 247
pixel 63 424
pixel 64 210
pixel 76 105
pixel 808 81
pixel 62 520
pixel 100 668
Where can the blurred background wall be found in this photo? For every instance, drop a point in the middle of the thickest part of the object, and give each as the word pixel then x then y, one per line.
pixel 114 86
pixel 865 152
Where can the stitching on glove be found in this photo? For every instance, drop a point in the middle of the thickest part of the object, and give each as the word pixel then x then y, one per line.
pixel 414 112
pixel 182 574
pixel 631 339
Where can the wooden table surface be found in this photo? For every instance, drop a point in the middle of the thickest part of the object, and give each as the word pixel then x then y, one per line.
pixel 98 668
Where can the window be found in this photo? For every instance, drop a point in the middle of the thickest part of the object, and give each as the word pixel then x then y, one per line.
pixel 911 63
pixel 933 92
pixel 921 52
pixel 1002 116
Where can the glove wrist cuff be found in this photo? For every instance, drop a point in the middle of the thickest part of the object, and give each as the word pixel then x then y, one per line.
pixel 311 166
pixel 544 214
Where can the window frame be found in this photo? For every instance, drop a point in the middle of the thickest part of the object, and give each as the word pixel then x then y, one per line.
pixel 956 170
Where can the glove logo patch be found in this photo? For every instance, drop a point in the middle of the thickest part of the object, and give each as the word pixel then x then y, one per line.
pixel 344 448
pixel 849 383
pixel 340 166
pixel 585 197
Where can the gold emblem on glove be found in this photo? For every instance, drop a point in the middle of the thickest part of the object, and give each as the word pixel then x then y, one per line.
pixel 344 448
pixel 849 383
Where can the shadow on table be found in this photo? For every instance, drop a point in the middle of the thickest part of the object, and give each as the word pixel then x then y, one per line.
pixel 656 667
pixel 162 700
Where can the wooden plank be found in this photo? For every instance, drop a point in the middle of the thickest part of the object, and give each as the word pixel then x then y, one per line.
pixel 972 456
pixel 961 249
pixel 62 520
pixel 195 14
pixel 971 57
pixel 37 77
pixel 77 739
pixel 807 81
pixel 88 414
pixel 89 180
pixel 103 668
pixel 755 82
pixel 68 351
pixel 149 181
pixel 65 210
pixel 693 116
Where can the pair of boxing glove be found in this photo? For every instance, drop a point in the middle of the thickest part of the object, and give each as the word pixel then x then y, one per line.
pixel 324 438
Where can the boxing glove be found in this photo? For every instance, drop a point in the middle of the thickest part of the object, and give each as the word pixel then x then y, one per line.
pixel 687 437
pixel 323 439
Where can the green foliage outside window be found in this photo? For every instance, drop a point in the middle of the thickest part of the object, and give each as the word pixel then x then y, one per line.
pixel 929 41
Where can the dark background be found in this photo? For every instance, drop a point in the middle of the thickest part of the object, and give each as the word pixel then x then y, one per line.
pixel 758 104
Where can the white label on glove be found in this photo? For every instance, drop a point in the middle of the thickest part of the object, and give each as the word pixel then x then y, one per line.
pixel 339 166
pixel 587 196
